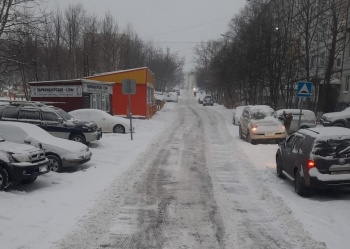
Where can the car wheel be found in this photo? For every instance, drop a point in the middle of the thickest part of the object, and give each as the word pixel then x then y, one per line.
pixel 118 129
pixel 30 180
pixel 4 179
pixel 55 163
pixel 339 125
pixel 78 138
pixel 240 133
pixel 279 167
pixel 299 185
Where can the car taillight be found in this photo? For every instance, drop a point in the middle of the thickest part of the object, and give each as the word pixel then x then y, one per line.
pixel 310 164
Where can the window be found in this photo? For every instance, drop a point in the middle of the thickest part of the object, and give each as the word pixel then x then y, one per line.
pixel 29 114
pixel 298 141
pixel 313 61
pixel 49 116
pixel 149 95
pixel 290 142
pixel 338 62
pixel 10 112
pixel 322 59
pixel 347 83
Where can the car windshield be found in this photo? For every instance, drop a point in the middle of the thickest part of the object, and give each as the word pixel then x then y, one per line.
pixel 64 115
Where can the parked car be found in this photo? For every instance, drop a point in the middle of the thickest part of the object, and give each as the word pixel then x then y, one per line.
pixel 104 120
pixel 307 118
pixel 171 97
pixel 52 119
pixel 237 113
pixel 315 158
pixel 340 119
pixel 159 96
pixel 201 95
pixel 259 123
pixel 20 163
pixel 60 152
pixel 208 100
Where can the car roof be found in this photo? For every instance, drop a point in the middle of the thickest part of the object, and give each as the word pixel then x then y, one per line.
pixel 326 132
pixel 294 111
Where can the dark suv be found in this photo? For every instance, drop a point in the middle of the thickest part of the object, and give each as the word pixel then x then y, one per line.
pixel 52 119
pixel 315 158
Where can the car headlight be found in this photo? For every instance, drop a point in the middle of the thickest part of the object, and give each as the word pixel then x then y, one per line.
pixel 20 157
pixel 254 126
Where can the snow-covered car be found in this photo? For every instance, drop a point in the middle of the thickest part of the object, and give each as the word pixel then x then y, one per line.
pixel 307 118
pixel 171 97
pixel 60 152
pixel 315 158
pixel 104 120
pixel 340 119
pixel 259 123
pixel 52 119
pixel 159 96
pixel 208 100
pixel 20 163
pixel 237 113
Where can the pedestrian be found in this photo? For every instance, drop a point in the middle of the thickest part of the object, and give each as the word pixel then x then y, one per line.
pixel 287 118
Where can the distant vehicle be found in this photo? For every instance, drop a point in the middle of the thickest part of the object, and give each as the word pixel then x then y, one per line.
pixel 315 158
pixel 208 100
pixel 52 119
pixel 340 119
pixel 159 96
pixel 104 120
pixel 60 152
pixel 171 97
pixel 237 113
pixel 259 123
pixel 307 118
pixel 20 163
pixel 201 95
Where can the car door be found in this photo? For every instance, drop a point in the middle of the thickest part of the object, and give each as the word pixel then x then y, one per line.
pixel 244 121
pixel 295 156
pixel 287 154
pixel 100 119
pixel 53 124
pixel 10 113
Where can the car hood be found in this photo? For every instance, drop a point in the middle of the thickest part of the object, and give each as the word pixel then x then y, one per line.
pixel 57 145
pixel 335 115
pixel 79 124
pixel 268 121
pixel 15 147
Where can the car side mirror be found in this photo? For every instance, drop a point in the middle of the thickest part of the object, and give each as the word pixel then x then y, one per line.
pixel 60 120
pixel 28 140
pixel 282 144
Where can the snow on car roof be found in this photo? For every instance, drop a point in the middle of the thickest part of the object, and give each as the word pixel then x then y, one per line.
pixel 326 132
pixel 261 108
pixel 294 111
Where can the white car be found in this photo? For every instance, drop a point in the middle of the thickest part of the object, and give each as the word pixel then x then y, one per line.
pixel 104 120
pixel 307 118
pixel 60 152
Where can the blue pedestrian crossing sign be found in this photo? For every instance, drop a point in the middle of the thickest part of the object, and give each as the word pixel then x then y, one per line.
pixel 304 89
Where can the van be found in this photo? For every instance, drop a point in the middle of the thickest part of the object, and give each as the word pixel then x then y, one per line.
pixel 307 118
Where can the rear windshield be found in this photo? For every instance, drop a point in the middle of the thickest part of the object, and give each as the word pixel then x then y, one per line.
pixel 332 148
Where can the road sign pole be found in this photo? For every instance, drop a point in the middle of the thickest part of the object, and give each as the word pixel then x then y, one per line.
pixel 130 116
pixel 301 102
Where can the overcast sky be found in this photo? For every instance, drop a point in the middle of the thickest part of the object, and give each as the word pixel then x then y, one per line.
pixel 178 24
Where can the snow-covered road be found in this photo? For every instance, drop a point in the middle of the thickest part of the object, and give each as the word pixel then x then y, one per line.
pixel 194 188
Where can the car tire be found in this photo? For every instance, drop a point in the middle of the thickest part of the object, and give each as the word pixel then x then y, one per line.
pixel 240 132
pixel 339 125
pixel 279 167
pixel 299 185
pixel 78 138
pixel 4 179
pixel 28 181
pixel 55 163
pixel 119 129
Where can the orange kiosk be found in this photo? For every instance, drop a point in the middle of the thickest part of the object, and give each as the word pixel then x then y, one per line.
pixel 142 103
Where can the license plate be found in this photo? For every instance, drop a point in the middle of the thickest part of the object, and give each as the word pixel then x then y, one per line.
pixel 269 134
pixel 340 172
pixel 42 168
